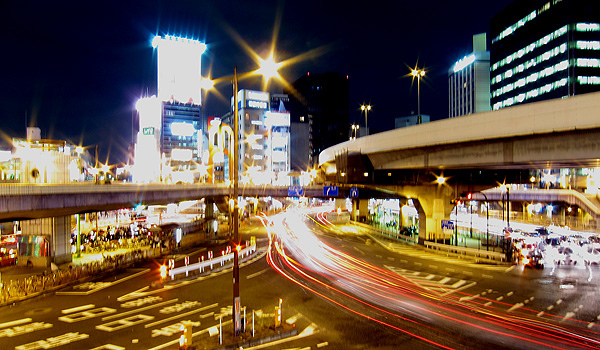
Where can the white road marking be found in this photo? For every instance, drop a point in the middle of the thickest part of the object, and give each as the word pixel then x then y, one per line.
pixel 79 308
pixel 444 280
pixel 172 329
pixel 256 274
pixel 516 306
pixel 459 284
pixel 141 301
pixel 138 310
pixel 433 267
pixel 181 315
pixel 320 345
pixel 87 314
pixel 103 285
pixel 124 323
pixel 132 295
pixel 15 322
pixel 179 307
pixel 176 341
pixel 26 328
pixel 487 276
pixel 53 341
pixel 109 347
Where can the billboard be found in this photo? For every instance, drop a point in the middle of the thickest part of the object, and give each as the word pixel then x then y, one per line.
pixel 179 68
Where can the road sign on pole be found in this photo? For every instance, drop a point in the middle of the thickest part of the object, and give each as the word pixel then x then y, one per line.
pixel 353 192
pixel 330 191
pixel 295 191
pixel 447 225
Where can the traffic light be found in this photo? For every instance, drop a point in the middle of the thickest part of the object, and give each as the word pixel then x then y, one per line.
pixel 163 271
pixel 466 195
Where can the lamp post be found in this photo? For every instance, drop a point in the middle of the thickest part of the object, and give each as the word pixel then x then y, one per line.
pixel 418 73
pixel 487 223
pixel 366 109
pixel 236 236
pixel 355 128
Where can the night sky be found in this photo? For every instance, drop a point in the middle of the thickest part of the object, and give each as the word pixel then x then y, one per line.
pixel 76 70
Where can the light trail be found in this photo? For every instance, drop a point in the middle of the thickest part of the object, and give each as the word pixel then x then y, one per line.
pixel 388 294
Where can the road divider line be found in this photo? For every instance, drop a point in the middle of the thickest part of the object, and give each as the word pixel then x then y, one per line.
pixel 132 295
pixel 181 315
pixel 79 308
pixel 15 323
pixel 139 310
pixel 110 284
pixel 256 274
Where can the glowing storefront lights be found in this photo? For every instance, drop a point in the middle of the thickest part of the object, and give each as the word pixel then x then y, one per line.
pixel 182 129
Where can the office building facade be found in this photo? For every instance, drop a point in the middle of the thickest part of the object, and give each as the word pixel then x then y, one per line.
pixel 170 136
pixel 322 100
pixel 543 50
pixel 469 81
pixel 264 139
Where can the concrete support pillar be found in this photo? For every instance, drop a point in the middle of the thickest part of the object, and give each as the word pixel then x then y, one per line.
pixel 209 215
pixel 360 209
pixel 46 240
pixel 209 211
pixel 433 205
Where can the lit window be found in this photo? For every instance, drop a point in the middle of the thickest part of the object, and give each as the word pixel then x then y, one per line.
pixel 587 45
pixel 587 27
pixel 588 80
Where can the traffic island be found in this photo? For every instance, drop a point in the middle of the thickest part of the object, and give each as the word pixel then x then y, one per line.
pixel 262 335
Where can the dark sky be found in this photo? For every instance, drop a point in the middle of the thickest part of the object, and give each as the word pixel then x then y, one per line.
pixel 76 69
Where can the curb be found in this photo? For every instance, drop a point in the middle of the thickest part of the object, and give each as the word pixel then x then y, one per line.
pixel 258 341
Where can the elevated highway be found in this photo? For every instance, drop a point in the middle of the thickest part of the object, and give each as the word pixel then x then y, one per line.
pixel 561 133
pixel 473 153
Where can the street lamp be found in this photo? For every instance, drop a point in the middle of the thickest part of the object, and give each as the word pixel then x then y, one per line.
pixel 268 69
pixel 355 128
pixel 418 73
pixel 366 109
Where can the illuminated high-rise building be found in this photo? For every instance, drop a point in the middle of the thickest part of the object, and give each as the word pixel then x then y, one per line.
pixel 170 127
pixel 264 136
pixel 469 81
pixel 543 50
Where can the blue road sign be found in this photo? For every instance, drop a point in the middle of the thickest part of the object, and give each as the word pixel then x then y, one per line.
pixel 447 225
pixel 353 192
pixel 295 191
pixel 330 191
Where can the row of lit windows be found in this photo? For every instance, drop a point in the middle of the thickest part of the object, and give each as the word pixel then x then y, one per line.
pixel 527 49
pixel 584 45
pixel 580 62
pixel 530 63
pixel 559 67
pixel 510 29
pixel 530 94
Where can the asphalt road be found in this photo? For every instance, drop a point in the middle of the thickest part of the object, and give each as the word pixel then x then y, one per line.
pixel 131 310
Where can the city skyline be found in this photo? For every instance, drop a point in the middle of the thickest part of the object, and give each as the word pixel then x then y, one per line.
pixel 76 72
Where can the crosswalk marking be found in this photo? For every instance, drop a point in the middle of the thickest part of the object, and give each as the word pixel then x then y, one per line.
pixel 442 284
pixel 402 249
